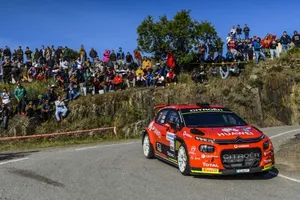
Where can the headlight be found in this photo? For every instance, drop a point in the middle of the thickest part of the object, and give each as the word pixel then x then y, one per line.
pixel 266 145
pixel 206 148
pixel 204 139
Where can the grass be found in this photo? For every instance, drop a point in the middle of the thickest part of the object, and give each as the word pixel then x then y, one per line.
pixel 58 142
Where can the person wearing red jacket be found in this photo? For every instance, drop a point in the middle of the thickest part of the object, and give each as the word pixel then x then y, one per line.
pixel 171 60
pixel 138 57
pixel 118 82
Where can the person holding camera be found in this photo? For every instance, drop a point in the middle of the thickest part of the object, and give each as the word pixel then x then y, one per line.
pixel 61 109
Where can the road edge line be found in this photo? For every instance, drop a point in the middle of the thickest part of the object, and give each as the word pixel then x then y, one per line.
pixel 284 133
pixel 107 145
pixel 12 161
pixel 285 177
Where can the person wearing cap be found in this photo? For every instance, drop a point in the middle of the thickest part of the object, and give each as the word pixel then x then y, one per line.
pixel 296 39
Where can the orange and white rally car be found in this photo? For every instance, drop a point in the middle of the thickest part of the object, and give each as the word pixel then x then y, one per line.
pixel 207 139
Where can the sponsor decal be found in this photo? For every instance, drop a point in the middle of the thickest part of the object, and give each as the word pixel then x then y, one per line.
pixel 197 158
pixel 268 153
pixel 171 138
pixel 268 166
pixel 208 156
pixel 157 133
pixel 267 161
pixel 248 129
pixel 152 128
pixel 172 146
pixel 210 165
pixel 237 146
pixel 206 109
pixel 185 134
pixel 170 154
pixel 158 147
pixel 227 130
pixel 211 170
pixel 234 133
pixel 241 156
pixel 193 150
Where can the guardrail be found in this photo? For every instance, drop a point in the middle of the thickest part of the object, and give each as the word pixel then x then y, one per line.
pixel 59 134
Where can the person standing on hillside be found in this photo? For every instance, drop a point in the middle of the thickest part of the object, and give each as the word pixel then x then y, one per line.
pixel 239 31
pixel 4 115
pixel 296 39
pixel 120 58
pixel 257 50
pixel 246 31
pixel 93 54
pixel 20 94
pixel 285 40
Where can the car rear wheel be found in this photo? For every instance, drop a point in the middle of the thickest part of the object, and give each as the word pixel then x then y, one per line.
pixel 183 160
pixel 147 147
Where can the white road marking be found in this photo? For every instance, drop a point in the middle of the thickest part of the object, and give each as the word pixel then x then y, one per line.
pixel 108 145
pixel 285 177
pixel 284 133
pixel 12 161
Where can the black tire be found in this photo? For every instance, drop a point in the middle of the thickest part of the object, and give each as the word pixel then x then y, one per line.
pixel 184 169
pixel 147 149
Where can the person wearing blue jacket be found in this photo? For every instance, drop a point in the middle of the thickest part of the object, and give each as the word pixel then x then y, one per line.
pixel 257 50
pixel 285 41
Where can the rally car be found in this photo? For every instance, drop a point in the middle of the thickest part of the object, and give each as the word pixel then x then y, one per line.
pixel 207 139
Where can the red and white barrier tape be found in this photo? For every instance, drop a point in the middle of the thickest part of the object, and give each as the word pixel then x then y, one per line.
pixel 57 134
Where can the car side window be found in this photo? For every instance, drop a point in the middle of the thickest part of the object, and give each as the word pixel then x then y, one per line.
pixel 173 117
pixel 161 116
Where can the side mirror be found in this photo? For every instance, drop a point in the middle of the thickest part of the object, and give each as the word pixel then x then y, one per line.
pixel 168 126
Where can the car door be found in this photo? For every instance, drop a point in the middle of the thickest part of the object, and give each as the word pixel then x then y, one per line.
pixel 173 122
pixel 160 130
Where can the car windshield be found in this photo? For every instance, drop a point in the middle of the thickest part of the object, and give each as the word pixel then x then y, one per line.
pixel 212 119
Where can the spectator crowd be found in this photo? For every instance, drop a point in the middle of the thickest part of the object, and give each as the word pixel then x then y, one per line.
pixel 81 73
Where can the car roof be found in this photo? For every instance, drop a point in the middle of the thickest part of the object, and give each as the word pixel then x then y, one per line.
pixel 188 106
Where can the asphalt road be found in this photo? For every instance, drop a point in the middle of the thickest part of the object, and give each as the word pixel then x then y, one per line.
pixel 120 171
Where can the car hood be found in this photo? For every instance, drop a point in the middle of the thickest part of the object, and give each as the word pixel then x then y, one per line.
pixel 228 133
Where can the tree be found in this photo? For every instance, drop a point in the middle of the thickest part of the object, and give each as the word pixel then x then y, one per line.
pixel 181 36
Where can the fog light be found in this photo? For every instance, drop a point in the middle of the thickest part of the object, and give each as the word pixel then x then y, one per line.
pixel 207 148
pixel 266 145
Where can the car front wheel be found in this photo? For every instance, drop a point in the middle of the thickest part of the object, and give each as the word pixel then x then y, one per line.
pixel 147 147
pixel 183 160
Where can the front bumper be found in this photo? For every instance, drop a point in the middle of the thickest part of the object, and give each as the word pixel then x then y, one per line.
pixel 215 171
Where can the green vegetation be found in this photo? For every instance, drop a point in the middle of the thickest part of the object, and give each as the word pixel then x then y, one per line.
pixel 182 36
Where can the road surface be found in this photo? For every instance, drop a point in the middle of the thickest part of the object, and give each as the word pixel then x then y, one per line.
pixel 120 171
